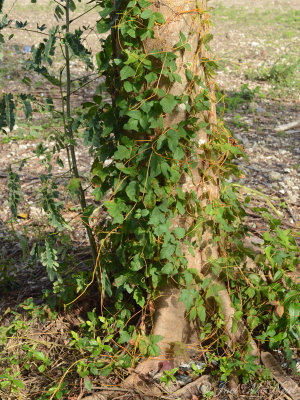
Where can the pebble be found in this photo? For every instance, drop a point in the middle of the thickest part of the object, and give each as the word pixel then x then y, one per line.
pixel 274 176
pixel 36 212
pixel 260 109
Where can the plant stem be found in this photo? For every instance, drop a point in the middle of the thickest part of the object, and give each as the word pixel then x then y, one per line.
pixel 74 169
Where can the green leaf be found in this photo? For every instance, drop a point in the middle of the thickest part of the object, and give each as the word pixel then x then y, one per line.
pixel 187 296
pixel 146 14
pixel 122 153
pixel 189 74
pixel 72 5
pixel 156 338
pixel 14 191
pixel 153 350
pixel 132 190
pixel 124 337
pixel 73 186
pixel 115 209
pixel 103 26
pixel 278 275
pixel 168 103
pixel 19 383
pixel 127 72
pixel 167 251
pixel 143 346
pixel 42 368
pixel 88 384
pixel 7 112
pixel 139 297
pixel 201 311
pixel 294 312
pixel 168 269
pixel 49 260
pixel 151 77
pixel 128 86
pixel 74 42
pixel 179 232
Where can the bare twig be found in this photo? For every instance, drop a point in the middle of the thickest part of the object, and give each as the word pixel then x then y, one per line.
pixel 285 127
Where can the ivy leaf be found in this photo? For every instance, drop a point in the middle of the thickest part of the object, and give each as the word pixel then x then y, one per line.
pixel 167 251
pixel 179 232
pixel 168 103
pixel 124 337
pixel 103 26
pixel 146 14
pixel 127 72
pixel 138 297
pixel 122 153
pixel 153 350
pixel 156 338
pixel 132 191
pixel 168 269
pixel 187 297
pixel 151 77
pixel 201 313
pixel 115 209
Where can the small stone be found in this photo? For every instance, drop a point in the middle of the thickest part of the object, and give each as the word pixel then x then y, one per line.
pixel 206 387
pixel 274 176
pixel 282 191
pixel 36 212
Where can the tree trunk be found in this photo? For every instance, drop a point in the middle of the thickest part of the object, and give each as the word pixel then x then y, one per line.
pixel 170 320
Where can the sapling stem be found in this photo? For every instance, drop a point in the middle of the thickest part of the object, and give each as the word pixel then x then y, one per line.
pixel 69 129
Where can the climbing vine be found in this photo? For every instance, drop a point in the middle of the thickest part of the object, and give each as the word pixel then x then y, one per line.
pixel 137 174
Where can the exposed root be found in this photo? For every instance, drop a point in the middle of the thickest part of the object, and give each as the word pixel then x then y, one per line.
pixel 290 386
pixel 200 385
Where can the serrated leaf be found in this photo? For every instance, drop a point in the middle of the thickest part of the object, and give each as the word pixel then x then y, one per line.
pixel 167 251
pixel 103 26
pixel 153 350
pixel 88 384
pixel 115 209
pixel 168 103
pixel 201 311
pixel 167 269
pixel 132 190
pixel 127 72
pixel 146 14
pixel 187 297
pixel 179 232
pixel 138 297
pixel 122 153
